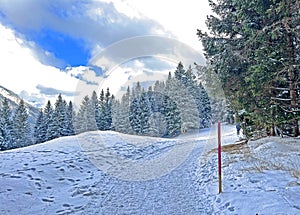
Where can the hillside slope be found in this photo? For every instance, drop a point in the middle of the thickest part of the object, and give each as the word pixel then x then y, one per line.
pixel 112 173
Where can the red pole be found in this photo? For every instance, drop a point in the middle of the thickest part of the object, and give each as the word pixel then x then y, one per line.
pixel 219 157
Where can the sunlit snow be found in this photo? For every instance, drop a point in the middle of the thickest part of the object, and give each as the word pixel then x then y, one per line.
pixel 56 177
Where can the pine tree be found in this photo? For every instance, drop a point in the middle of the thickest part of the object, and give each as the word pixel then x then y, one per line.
pixel 188 95
pixel 123 121
pixel 107 111
pixel 204 106
pixel 172 117
pixel 116 115
pixel 139 110
pixel 60 114
pixel 145 113
pixel 6 126
pixel 48 117
pixel 85 120
pixel 69 124
pixel 281 57
pixel 56 127
pixel 157 120
pixel 135 116
pixel 97 111
pixel 220 110
pixel 40 130
pixel 21 126
pixel 138 89
pixel 101 122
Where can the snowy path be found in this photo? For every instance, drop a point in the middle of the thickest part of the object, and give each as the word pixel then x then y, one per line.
pixel 179 192
pixel 112 173
pixel 183 190
pixel 57 178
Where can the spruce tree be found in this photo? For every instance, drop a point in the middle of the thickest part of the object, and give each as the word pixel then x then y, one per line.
pixel 181 89
pixel 6 126
pixel 96 108
pixel 135 115
pixel 85 120
pixel 56 127
pixel 101 122
pixel 107 111
pixel 60 113
pixel 116 115
pixel 145 112
pixel 172 117
pixel 69 124
pixel 157 122
pixel 124 112
pixel 48 117
pixel 203 105
pixel 40 130
pixel 139 110
pixel 21 126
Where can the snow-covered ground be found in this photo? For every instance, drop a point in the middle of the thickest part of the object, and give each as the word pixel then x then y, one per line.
pixel 112 173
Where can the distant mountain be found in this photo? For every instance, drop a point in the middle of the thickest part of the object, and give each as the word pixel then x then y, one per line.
pixel 14 100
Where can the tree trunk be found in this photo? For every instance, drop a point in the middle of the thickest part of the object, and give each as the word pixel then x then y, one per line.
pixel 292 77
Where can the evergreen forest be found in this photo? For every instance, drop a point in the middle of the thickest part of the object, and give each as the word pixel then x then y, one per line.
pixel 165 109
pixel 254 49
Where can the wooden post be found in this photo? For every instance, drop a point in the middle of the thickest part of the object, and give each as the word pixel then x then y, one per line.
pixel 219 157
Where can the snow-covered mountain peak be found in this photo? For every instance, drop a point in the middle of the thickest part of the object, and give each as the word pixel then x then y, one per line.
pixel 14 100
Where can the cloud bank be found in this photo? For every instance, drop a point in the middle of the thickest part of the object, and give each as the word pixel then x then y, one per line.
pixel 94 24
pixel 47 45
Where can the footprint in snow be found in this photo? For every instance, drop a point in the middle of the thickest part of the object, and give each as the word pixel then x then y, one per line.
pixel 231 209
pixel 38 185
pixel 30 177
pixel 227 204
pixel 15 176
pixel 71 166
pixel 243 191
pixel 71 180
pixel 253 181
pixel 66 205
pixel 47 200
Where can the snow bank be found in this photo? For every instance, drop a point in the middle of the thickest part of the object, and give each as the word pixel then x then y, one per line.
pixel 262 177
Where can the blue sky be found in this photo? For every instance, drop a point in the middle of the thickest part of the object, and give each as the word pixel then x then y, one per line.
pixel 69 50
pixel 50 37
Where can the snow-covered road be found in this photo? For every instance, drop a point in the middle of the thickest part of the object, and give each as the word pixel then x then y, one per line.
pixel 112 173
pixel 58 178
pixel 178 192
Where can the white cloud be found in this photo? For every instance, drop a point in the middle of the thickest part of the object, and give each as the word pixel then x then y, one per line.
pixel 146 46
pixel 128 74
pixel 21 72
pixel 181 18
pixel 97 23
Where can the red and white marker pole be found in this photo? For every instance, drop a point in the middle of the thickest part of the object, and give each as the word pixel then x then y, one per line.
pixel 219 157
